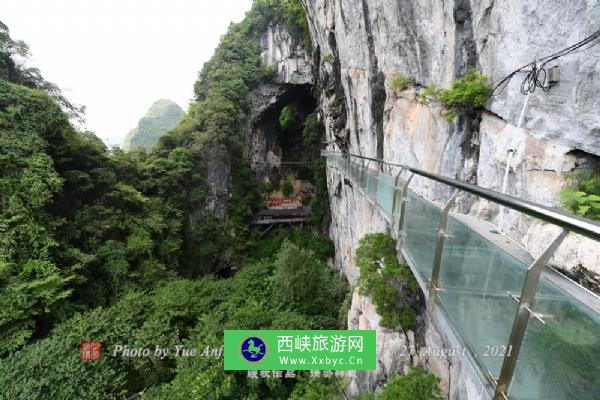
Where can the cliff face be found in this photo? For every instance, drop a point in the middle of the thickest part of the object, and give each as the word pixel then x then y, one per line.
pixel 360 45
pixel 293 80
pixel 363 44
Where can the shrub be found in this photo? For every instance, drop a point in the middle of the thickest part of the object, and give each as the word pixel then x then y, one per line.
pixel 345 308
pixel 269 72
pixel 390 284
pixel 309 388
pixel 271 243
pixel 416 385
pixel 466 95
pixel 584 197
pixel 287 189
pixel 305 284
pixel 319 205
pixel 314 131
pixel 295 290
pixel 292 14
pixel 287 118
pixel 400 82
pixel 328 58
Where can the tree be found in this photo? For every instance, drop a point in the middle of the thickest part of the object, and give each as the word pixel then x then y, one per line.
pixel 391 285
pixel 305 284
pixel 416 385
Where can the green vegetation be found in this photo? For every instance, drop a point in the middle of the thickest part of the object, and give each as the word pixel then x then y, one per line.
pixel 319 205
pixel 416 385
pixel 400 82
pixel 322 389
pixel 287 189
pixel 583 198
pixel 79 225
pixel 160 118
pixel 271 293
pixel 466 95
pixel 313 137
pixel 292 14
pixel 328 58
pixel 18 73
pixel 319 244
pixel 287 119
pixel 313 133
pixel 390 284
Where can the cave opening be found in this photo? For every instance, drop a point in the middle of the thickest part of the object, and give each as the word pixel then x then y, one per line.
pixel 291 118
pixel 294 136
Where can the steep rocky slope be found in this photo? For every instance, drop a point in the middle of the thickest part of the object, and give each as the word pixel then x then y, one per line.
pixel 372 41
pixel 361 45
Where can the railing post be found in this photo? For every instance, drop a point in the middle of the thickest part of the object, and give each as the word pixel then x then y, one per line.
pixel 524 312
pixel 404 200
pixel 363 177
pixel 439 249
pixel 397 193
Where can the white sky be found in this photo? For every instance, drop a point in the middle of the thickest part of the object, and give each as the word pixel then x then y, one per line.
pixel 118 56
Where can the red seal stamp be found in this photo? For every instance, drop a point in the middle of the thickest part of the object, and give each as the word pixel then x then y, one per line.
pixel 90 350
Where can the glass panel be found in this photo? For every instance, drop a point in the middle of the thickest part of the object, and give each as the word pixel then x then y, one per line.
pixel 475 277
pixel 559 359
pixel 363 179
pixel 385 192
pixel 397 209
pixel 350 171
pixel 355 173
pixel 421 224
pixel 372 183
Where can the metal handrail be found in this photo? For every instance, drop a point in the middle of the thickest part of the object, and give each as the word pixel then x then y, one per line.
pixel 565 220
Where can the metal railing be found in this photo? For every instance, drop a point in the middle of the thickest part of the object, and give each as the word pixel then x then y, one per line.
pixel 394 203
pixel 565 220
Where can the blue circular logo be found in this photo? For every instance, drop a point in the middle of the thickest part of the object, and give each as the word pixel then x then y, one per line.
pixel 253 349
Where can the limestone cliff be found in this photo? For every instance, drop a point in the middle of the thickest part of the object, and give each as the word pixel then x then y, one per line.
pixel 361 44
pixel 370 41
pixel 293 80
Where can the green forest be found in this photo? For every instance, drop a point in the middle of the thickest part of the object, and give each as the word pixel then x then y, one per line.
pixel 112 245
pixel 103 244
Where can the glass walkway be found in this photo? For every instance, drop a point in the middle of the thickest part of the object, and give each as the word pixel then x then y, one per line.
pixel 526 336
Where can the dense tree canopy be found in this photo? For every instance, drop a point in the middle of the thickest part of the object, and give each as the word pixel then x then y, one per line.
pixel 193 313
pixel 115 246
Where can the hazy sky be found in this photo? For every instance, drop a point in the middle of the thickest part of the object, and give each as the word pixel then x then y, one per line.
pixel 118 56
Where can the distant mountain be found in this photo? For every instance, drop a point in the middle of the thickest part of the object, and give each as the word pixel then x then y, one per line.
pixel 160 118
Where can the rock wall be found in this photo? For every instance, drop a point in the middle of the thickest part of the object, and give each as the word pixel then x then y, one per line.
pixel 293 77
pixel 284 51
pixel 361 44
